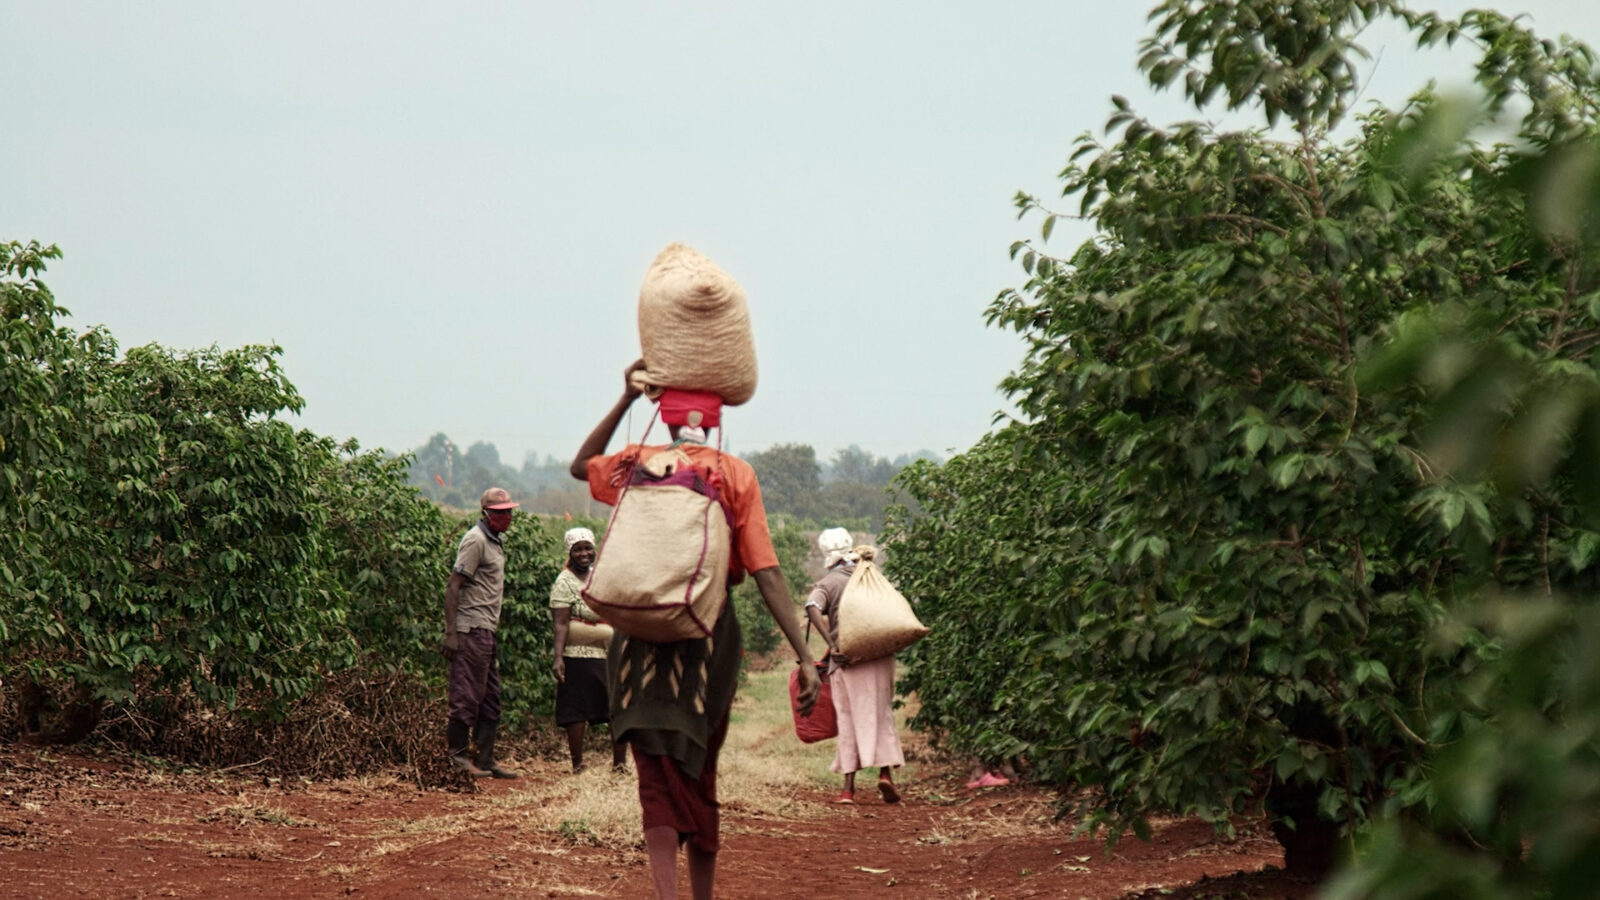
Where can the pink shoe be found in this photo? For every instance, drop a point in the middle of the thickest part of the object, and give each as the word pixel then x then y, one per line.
pixel 989 779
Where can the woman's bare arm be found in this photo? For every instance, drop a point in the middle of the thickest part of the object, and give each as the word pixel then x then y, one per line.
pixel 776 594
pixel 595 444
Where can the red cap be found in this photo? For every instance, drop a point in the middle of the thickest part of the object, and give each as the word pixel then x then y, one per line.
pixel 497 498
pixel 679 407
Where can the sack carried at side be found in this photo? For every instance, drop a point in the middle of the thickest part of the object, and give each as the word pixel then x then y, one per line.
pixel 589 634
pixel 823 723
pixel 694 329
pixel 875 620
pixel 661 573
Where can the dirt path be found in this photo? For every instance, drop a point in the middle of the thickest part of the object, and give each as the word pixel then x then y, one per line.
pixel 77 826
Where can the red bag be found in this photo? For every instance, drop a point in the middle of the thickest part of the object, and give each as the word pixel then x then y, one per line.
pixel 823 723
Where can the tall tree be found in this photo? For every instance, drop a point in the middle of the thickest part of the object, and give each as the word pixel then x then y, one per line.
pixel 855 465
pixel 1204 559
pixel 790 477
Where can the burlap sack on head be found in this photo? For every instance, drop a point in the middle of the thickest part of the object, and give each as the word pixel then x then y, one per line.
pixel 589 634
pixel 661 572
pixel 875 620
pixel 694 329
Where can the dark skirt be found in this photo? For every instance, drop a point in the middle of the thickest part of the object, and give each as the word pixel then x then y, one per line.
pixel 583 696
pixel 670 703
pixel 668 798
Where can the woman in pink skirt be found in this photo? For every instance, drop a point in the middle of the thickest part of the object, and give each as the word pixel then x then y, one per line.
pixel 863 693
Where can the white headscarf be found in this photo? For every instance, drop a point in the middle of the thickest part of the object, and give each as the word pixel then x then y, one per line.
pixel 836 544
pixel 574 535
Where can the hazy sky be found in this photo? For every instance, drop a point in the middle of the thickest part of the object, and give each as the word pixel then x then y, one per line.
pixel 443 212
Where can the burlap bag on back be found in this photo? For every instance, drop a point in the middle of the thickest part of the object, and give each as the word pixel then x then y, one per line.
pixel 661 573
pixel 694 329
pixel 875 620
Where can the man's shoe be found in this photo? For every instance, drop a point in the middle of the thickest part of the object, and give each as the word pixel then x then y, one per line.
pixel 456 740
pixel 461 762
pixel 483 736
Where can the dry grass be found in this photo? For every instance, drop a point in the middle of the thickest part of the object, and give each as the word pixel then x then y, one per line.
pixel 596 807
pixel 246 814
pixel 554 889
pixel 1017 818
pixel 763 764
pixel 763 768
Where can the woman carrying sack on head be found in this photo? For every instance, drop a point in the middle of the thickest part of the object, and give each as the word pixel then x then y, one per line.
pixel 670 701
pixel 580 652
pixel 863 693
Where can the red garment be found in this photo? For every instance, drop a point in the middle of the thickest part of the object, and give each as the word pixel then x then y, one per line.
pixel 671 799
pixel 752 541
pixel 676 404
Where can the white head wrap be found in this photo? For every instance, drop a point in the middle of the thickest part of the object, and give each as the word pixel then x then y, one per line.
pixel 836 544
pixel 574 535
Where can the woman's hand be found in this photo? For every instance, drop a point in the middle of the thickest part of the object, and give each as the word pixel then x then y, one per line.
pixel 810 685
pixel 629 389
pixel 841 658
pixel 559 667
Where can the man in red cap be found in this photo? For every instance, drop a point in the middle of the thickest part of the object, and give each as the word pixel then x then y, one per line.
pixel 471 616
pixel 676 737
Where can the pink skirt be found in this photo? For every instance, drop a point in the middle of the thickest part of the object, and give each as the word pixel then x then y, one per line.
pixel 863 698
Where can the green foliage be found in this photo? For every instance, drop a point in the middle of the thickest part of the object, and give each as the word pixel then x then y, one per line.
pixel 855 465
pixel 1517 407
pixel 169 541
pixel 31 350
pixel 851 490
pixel 1522 780
pixel 792 541
pixel 788 473
pixel 449 477
pixel 388 548
pixel 170 523
pixel 1209 561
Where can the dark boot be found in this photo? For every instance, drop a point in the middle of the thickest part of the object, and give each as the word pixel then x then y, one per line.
pixel 483 733
pixel 456 734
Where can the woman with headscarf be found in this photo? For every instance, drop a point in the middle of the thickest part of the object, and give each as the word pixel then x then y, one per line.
pixel 676 724
pixel 863 693
pixel 580 669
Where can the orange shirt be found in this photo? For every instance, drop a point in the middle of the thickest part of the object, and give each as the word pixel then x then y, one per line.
pixel 741 493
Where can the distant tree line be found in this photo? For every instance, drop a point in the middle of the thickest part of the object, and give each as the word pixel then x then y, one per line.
pixel 453 477
pixel 850 488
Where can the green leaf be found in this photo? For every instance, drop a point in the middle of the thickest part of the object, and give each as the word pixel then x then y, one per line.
pixel 1255 439
pixel 1452 510
pixel 1286 469
pixel 1584 550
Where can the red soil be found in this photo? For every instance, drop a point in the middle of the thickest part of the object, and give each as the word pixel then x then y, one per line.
pixel 74 826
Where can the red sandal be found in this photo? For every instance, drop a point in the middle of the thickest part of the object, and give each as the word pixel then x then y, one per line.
pixel 891 794
pixel 845 797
